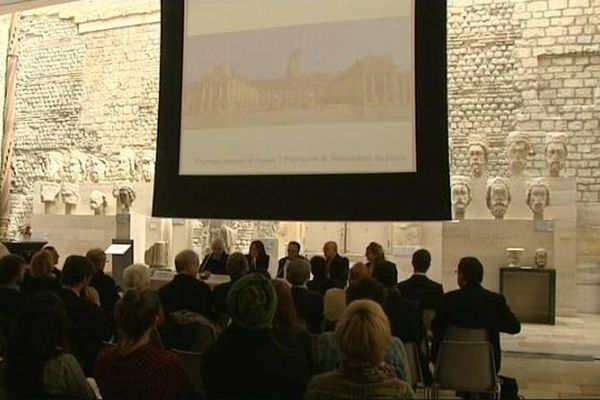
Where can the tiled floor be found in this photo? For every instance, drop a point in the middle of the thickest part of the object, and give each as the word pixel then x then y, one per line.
pixel 550 362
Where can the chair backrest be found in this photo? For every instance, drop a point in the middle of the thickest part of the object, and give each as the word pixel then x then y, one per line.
pixel 466 366
pixel 414 364
pixel 192 363
pixel 459 334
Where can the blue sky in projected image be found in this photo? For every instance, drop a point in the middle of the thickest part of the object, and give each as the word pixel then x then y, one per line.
pixel 325 48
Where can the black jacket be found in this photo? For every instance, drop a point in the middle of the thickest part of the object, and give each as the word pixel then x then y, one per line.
pixel 474 307
pixel 215 265
pixel 220 293
pixel 260 265
pixel 107 290
pixel 309 306
pixel 406 317
pixel 423 290
pixel 186 293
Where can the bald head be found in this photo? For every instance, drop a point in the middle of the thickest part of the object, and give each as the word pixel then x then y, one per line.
pixel 187 262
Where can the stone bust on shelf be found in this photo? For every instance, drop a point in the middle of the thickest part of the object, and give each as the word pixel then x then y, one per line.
pixel 541 258
pixel 497 196
pixel 125 197
pixel 538 197
pixel 98 202
pixel 70 195
pixel 478 154
pixel 460 196
pixel 556 152
pixel 49 192
pixel 517 151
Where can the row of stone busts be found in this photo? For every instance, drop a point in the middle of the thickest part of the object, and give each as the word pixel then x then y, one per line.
pixel 130 166
pixel 51 192
pixel 498 196
pixel 517 152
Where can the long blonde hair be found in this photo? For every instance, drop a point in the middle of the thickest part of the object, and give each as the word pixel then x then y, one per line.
pixel 42 263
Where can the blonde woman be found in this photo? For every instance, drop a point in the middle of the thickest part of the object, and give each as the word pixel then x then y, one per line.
pixel 362 335
pixel 375 255
pixel 136 276
pixel 42 279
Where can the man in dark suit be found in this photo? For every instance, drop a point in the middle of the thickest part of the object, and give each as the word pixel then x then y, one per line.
pixel 185 291
pixel 340 265
pixel 55 257
pixel 104 284
pixel 419 287
pixel 216 261
pixel 472 306
pixel 237 266
pixel 293 251
pixel 88 328
pixel 309 303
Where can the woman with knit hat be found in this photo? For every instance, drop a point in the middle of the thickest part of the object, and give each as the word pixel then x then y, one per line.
pixel 247 361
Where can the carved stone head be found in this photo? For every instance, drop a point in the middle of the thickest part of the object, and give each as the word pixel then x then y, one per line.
pixel 70 193
pixel 98 202
pixel 538 197
pixel 96 169
pixel 49 192
pixel 478 154
pixel 52 165
pixel 75 168
pixel 556 152
pixel 124 166
pixel 497 196
pixel 460 195
pixel 517 151
pixel 541 258
pixel 145 166
pixel 125 197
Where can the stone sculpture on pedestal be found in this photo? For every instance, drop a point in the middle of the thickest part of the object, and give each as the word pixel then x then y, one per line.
pixel 497 196
pixel 541 258
pixel 460 195
pixel 555 152
pixel 49 192
pixel 538 197
pixel 125 197
pixel 70 195
pixel 98 202
pixel 517 152
pixel 478 154
pixel 514 255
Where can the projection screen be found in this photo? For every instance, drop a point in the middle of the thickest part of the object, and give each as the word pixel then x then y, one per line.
pixel 303 105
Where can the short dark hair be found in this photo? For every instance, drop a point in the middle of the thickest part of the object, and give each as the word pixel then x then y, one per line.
pixel 318 267
pixel 471 269
pixel 76 270
pixel 367 288
pixel 97 257
pixel 421 260
pixel 386 273
pixel 10 268
pixel 294 243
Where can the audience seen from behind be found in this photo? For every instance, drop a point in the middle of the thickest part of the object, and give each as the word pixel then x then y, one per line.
pixel 237 267
pixel 334 302
pixel 328 355
pixel 258 259
pixel 473 306
pixel 247 361
pixel 38 364
pixel 375 255
pixel 286 327
pixel 293 251
pixel 185 291
pixel 216 261
pixel 55 257
pixel 358 271
pixel 12 299
pixel 88 328
pixel 42 278
pixel 419 287
pixel 135 368
pixel 104 284
pixel 136 276
pixel 320 281
pixel 309 303
pixel 362 336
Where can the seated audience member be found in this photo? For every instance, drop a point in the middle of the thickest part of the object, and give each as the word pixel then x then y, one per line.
pixel 358 271
pixel 406 317
pixel 320 281
pixel 247 361
pixel 88 326
pixel 37 362
pixel 186 291
pixel 286 327
pixel 104 284
pixel 12 299
pixel 334 302
pixel 42 278
pixel 258 259
pixel 375 255
pixel 293 251
pixel 309 303
pixel 216 261
pixel 136 368
pixel 237 267
pixel 419 287
pixel 362 335
pixel 136 276
pixel 334 260
pixel 328 355
pixel 55 257
pixel 472 306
